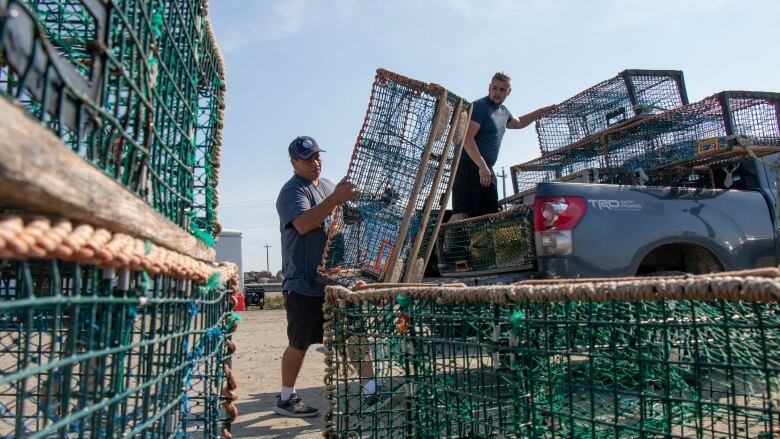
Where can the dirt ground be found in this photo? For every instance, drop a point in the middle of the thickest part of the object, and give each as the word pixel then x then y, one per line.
pixel 260 342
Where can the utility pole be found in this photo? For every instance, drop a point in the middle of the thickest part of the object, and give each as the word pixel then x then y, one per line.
pixel 267 263
pixel 503 180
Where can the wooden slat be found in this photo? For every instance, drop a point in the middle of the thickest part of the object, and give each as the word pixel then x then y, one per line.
pixel 464 120
pixel 416 275
pixel 396 264
pixel 40 175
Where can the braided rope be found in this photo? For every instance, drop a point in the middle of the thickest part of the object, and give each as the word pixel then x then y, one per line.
pixel 761 285
pixel 216 152
pixel 331 398
pixel 39 237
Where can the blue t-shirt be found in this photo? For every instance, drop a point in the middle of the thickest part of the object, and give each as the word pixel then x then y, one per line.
pixel 302 254
pixel 492 120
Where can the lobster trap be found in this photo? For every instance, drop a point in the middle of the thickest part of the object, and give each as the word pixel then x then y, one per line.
pixel 493 243
pixel 675 358
pixel 402 164
pixel 611 103
pixel 92 345
pixel 135 88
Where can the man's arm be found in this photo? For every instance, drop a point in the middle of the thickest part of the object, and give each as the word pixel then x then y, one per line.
pixel 311 218
pixel 528 119
pixel 485 176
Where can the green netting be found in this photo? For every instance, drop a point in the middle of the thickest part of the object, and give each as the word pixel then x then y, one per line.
pixel 99 353
pixel 401 165
pixel 531 361
pixel 134 87
pixel 497 242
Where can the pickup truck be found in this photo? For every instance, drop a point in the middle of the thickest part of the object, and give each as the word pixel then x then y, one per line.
pixel 610 230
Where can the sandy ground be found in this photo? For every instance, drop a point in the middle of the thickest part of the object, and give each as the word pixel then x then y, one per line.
pixel 260 342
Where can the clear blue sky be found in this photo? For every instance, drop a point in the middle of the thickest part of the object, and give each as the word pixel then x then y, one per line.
pixel 299 67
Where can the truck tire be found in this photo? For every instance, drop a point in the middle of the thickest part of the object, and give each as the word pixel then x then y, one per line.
pixel 676 259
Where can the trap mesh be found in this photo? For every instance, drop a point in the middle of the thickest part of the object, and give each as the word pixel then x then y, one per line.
pixel 671 148
pixel 696 357
pixel 510 202
pixel 727 123
pixel 97 352
pixel 401 165
pixel 580 166
pixel 502 241
pixel 629 94
pixel 135 88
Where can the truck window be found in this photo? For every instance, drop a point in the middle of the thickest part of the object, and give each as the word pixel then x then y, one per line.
pixel 772 162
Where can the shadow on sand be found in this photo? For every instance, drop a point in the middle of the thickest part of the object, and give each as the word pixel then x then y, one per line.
pixel 257 420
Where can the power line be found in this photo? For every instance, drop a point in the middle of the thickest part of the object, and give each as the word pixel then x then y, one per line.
pixel 256 226
pixel 246 206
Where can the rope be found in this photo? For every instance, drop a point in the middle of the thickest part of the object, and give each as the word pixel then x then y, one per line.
pixel 759 285
pixel 38 237
pixel 216 152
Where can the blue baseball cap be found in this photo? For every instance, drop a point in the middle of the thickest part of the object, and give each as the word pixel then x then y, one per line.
pixel 303 147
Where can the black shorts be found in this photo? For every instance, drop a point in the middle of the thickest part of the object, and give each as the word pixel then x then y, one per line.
pixel 470 197
pixel 304 319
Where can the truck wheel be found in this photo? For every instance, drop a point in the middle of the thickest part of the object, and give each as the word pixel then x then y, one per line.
pixel 676 259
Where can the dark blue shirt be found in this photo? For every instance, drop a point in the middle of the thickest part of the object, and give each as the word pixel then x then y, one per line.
pixel 492 120
pixel 302 254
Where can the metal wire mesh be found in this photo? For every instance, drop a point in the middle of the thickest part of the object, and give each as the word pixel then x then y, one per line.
pixel 91 352
pixel 629 94
pixel 501 241
pixel 668 148
pixel 700 132
pixel 576 167
pixel 136 88
pixel 477 362
pixel 522 198
pixel 402 165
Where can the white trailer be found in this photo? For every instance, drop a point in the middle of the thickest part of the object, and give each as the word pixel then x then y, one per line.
pixel 228 249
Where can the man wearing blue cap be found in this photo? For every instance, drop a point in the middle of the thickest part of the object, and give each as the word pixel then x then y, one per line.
pixel 304 205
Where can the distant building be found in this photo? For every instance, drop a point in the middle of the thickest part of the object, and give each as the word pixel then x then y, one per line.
pixel 229 250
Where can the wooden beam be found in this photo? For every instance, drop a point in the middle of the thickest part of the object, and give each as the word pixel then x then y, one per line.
pixel 413 275
pixel 38 174
pixel 465 117
pixel 396 263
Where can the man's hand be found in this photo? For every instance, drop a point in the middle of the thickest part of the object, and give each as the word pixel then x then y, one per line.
pixel 345 191
pixel 485 176
pixel 313 217
pixel 544 110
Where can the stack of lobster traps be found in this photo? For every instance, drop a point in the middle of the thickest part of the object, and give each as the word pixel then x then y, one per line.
pixel 665 142
pixel 115 319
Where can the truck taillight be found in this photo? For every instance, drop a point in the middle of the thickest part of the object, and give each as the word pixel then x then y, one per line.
pixel 554 219
pixel 557 213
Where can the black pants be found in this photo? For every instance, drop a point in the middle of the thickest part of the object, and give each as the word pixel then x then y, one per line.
pixel 470 197
pixel 304 319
